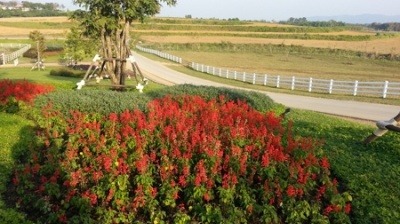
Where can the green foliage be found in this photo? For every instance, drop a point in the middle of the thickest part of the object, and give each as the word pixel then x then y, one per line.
pixel 258 101
pixel 196 21
pixel 40 44
pixel 35 13
pixel 238 28
pixel 91 100
pixel 67 72
pixel 303 22
pixel 77 47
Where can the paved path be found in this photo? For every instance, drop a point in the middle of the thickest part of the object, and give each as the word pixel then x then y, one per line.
pixel 157 72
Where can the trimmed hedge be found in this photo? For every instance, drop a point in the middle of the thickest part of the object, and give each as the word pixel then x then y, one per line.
pixel 258 101
pixel 67 72
pixel 99 101
pixel 106 101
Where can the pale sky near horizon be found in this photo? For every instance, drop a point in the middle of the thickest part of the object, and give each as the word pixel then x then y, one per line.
pixel 269 9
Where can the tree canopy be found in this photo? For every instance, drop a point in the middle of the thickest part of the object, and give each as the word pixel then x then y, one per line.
pixel 110 22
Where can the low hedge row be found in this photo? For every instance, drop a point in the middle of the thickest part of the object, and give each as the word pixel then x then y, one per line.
pixel 67 72
pixel 105 101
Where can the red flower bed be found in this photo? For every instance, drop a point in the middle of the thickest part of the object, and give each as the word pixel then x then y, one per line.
pixel 184 160
pixel 21 90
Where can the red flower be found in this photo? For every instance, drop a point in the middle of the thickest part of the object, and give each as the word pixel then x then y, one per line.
pixel 347 209
pixel 291 191
pixel 206 196
pixel 325 163
pixel 62 218
pixel 328 210
pixel 265 159
pixel 110 195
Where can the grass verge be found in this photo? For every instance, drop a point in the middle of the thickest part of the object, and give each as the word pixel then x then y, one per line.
pixel 14 132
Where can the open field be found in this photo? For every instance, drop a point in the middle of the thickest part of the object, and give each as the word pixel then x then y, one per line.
pixel 318 67
pixel 10 29
pixel 385 46
pixel 14 27
pixel 162 32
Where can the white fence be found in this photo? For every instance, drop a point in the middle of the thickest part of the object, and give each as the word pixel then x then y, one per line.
pixel 5 58
pixel 355 88
pixel 161 54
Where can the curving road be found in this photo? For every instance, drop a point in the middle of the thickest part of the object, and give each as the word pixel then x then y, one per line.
pixel 159 73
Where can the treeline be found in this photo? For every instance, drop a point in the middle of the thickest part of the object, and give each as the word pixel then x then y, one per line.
pixel 236 28
pixel 25 5
pixel 36 13
pixel 385 26
pixel 303 22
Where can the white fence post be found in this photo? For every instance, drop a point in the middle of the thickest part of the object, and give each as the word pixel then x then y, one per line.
pixel 278 79
pixel 208 69
pixel 213 71
pixel 330 86
pixel 355 88
pixel 265 79
pixel 235 75
pixel 293 81
pixel 254 78
pixel 310 85
pixel 220 72
pixel 244 76
pixel 3 56
pixel 385 89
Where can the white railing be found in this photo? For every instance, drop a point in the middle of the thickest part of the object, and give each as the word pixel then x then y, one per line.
pixel 160 54
pixel 5 58
pixel 355 88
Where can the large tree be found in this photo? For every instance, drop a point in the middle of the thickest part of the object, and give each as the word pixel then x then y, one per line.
pixel 110 21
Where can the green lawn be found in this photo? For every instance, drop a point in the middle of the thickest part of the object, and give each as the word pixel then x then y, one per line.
pixel 14 130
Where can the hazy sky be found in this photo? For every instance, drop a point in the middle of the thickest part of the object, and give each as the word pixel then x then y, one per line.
pixel 270 9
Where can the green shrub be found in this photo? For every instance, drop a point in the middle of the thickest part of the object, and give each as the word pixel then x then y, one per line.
pixel 31 53
pixel 258 101
pixel 67 72
pixel 91 100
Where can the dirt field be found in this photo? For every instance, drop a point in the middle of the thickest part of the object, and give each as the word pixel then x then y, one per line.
pixel 385 46
pixel 7 32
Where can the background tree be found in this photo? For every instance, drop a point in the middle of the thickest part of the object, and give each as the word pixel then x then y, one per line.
pixel 40 44
pixel 77 47
pixel 110 21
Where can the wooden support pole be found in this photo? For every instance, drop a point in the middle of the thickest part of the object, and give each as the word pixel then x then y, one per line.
pixel 383 127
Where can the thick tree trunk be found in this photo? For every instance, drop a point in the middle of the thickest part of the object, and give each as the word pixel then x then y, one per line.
pixel 115 52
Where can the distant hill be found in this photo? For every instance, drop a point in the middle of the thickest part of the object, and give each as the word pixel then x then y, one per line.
pixel 358 19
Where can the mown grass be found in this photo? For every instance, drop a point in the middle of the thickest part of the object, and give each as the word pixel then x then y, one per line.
pixel 60 82
pixel 288 60
pixel 369 172
pixel 14 131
